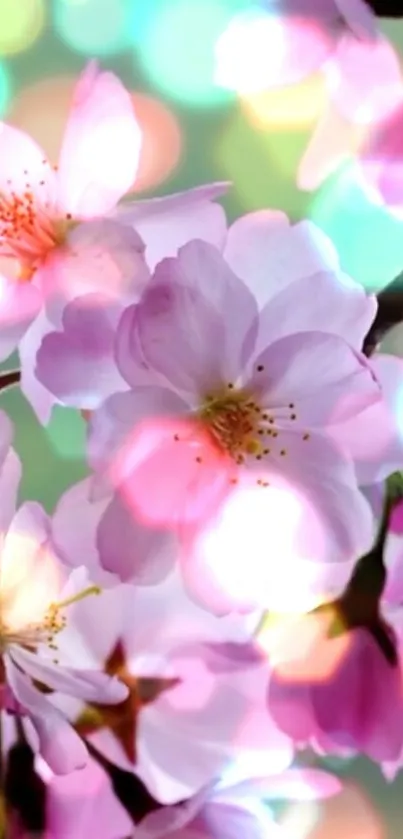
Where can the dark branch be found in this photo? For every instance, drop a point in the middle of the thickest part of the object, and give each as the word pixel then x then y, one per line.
pixel 9 378
pixel 386 8
pixel 389 314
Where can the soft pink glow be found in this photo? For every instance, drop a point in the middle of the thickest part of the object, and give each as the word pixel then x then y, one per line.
pixel 161 142
pixel 169 471
pixel 314 657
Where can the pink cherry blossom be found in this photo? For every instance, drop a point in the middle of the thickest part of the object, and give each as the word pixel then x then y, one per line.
pixel 77 363
pixel 196 421
pixel 213 708
pixel 35 593
pixel 343 695
pixel 61 226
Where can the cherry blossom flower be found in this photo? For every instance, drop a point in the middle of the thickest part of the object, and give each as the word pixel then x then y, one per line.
pixel 77 363
pixel 60 226
pixel 35 594
pixel 341 689
pixel 261 405
pixel 197 688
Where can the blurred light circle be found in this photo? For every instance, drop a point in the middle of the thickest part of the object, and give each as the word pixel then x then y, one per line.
pixel 162 142
pixel 359 228
pixel 296 106
pixel 21 22
pixel 93 27
pixel 41 110
pixel 260 49
pixel 261 165
pixel 349 815
pixel 177 48
pixel 5 88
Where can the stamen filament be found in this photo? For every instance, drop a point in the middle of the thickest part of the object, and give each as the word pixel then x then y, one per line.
pixel 76 597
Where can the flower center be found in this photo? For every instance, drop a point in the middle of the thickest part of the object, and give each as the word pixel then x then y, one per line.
pixel 44 631
pixel 232 418
pixel 28 228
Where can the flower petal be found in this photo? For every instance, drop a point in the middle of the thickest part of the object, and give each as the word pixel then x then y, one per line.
pixel 319 375
pixel 182 320
pixel 269 254
pixel 60 746
pixel 336 303
pixel 374 438
pixel 112 426
pixel 74 543
pixel 165 224
pixel 41 400
pixel 359 18
pixel 90 685
pixel 77 364
pixel 337 524
pixel 101 145
pixel 24 166
pixel 170 472
pixel 83 803
pixel 99 257
pixel 131 550
pixel 19 305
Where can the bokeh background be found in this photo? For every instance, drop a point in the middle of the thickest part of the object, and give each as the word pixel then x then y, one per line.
pixel 197 131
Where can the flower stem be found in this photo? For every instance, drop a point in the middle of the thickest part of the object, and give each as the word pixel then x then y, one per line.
pixel 9 378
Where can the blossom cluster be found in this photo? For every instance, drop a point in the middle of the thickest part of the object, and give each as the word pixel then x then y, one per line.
pixel 224 588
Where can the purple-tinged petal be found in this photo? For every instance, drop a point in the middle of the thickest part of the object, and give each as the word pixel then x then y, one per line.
pixel 62 749
pixel 374 438
pixel 337 305
pixel 92 686
pixel 361 707
pixel 165 224
pixel 129 354
pixel 77 363
pixel 319 375
pixel 40 399
pixel 131 550
pixel 74 526
pixel 181 320
pixel 83 803
pixel 359 17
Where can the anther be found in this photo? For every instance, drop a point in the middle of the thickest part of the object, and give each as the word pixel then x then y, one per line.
pixel 260 368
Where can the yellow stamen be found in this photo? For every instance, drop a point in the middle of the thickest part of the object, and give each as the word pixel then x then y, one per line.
pixel 76 597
